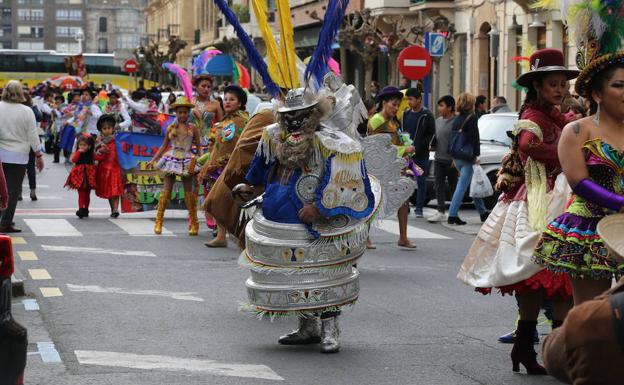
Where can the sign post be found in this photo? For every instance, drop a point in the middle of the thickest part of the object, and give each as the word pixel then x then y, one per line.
pixel 414 62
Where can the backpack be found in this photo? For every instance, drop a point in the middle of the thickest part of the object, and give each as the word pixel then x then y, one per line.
pixel 511 174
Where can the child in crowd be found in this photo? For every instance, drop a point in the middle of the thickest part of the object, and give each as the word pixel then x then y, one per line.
pixel 109 183
pixel 83 175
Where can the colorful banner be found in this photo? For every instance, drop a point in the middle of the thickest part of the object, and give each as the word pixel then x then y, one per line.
pixel 142 184
pixel 75 65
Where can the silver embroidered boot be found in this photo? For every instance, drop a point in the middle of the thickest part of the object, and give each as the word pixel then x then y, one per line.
pixel 330 333
pixel 309 332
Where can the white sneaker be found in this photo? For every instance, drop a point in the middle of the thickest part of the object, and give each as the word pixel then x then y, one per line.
pixel 437 217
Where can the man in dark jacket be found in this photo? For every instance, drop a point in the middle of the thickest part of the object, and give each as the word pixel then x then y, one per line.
pixel 419 123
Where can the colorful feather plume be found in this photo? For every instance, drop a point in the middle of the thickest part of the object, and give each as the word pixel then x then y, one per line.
pixel 277 69
pixel 183 78
pixel 287 43
pixel 545 4
pixel 200 61
pixel 332 21
pixel 255 59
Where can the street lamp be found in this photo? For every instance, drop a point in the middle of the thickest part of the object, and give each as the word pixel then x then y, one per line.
pixel 79 36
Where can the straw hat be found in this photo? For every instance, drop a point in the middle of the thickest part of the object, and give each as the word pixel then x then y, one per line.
pixel 182 101
pixel 610 229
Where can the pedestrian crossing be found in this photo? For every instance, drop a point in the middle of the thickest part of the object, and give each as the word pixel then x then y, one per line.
pixel 142 227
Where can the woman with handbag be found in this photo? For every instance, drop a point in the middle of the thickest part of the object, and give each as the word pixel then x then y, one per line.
pixel 464 149
pixel 533 191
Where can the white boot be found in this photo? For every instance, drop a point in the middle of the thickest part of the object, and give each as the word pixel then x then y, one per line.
pixel 309 332
pixel 330 333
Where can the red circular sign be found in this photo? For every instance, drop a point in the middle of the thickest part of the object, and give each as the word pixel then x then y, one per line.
pixel 130 66
pixel 414 62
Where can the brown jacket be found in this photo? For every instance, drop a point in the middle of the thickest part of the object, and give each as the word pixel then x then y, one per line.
pixel 219 202
pixel 585 349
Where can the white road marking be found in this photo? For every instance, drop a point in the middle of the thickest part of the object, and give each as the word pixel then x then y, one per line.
pixel 154 362
pixel 38 186
pixel 49 198
pixel 52 228
pixel 39 274
pixel 392 226
pixel 49 292
pixel 184 296
pixel 139 227
pixel 48 352
pixel 27 255
pixel 30 304
pixel 95 250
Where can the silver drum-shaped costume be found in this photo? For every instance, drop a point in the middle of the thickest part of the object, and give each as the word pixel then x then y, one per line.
pixel 294 273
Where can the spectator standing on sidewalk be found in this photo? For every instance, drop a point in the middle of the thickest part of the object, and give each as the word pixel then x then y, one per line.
pixel 18 136
pixel 480 107
pixel 443 162
pixel 420 124
pixel 499 104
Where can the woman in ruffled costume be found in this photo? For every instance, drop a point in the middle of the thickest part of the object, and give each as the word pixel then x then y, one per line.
pixel 176 159
pixel 227 133
pixel 591 151
pixel 532 193
pixel 385 122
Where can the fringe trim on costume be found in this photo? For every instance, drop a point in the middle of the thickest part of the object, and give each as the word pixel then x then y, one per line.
pixel 272 315
pixel 245 261
pixel 352 158
pixel 355 237
pixel 537 200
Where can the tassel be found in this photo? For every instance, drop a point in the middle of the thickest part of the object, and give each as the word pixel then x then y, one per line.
pixel 255 59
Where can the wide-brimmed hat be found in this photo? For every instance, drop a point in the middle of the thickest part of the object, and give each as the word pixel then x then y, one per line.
pixel 182 101
pixel 106 118
pixel 389 92
pixel 545 61
pixel 610 230
pixel 297 99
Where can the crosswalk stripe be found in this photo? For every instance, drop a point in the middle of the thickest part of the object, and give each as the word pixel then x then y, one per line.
pixel 39 274
pixel 183 296
pixel 95 250
pixel 27 255
pixel 139 227
pixel 49 292
pixel 18 240
pixel 52 228
pixel 154 362
pixel 392 226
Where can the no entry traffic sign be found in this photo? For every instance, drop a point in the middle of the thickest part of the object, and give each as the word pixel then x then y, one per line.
pixel 130 66
pixel 414 62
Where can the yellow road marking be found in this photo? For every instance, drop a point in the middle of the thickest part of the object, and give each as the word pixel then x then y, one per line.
pixel 18 240
pixel 39 274
pixel 51 292
pixel 27 255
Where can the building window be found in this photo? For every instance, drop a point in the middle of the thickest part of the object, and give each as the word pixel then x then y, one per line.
pixel 6 45
pixel 30 14
pixel 68 47
pixel 30 45
pixel 69 14
pixel 128 41
pixel 6 12
pixel 65 31
pixel 103 24
pixel 30 2
pixel 102 45
pixel 69 1
pixel 29 31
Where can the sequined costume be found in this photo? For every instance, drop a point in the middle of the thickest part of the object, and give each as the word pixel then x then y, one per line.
pixel 570 243
pixel 177 159
pixel 500 255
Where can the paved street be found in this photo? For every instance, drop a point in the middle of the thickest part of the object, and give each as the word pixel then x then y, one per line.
pixel 121 306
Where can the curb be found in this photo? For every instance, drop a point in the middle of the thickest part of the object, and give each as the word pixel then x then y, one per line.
pixel 17 283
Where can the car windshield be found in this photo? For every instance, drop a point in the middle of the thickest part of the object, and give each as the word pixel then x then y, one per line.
pixel 493 128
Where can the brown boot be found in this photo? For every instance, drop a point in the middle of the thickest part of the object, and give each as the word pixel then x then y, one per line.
pixel 191 206
pixel 165 196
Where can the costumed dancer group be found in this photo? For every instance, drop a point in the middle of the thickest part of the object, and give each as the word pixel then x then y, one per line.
pixel 560 179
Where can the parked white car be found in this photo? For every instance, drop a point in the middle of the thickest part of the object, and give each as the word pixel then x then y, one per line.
pixel 495 144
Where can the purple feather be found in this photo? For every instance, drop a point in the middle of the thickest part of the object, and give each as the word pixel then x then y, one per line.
pixel 332 21
pixel 254 57
pixel 183 78
pixel 200 61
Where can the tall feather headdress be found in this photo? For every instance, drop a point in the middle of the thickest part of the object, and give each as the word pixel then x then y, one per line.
pixel 183 78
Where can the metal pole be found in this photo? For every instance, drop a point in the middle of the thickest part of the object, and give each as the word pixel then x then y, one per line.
pixel 427 80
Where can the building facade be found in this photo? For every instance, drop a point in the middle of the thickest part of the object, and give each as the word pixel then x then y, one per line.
pixel 117 26
pixel 43 24
pixel 169 18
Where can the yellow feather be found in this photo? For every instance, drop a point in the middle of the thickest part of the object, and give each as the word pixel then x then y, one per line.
pixel 277 69
pixel 527 51
pixel 545 4
pixel 287 43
